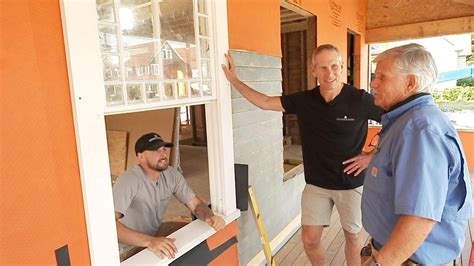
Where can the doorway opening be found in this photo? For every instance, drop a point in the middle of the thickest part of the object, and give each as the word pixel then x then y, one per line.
pixel 351 67
pixel 193 126
pixel 298 39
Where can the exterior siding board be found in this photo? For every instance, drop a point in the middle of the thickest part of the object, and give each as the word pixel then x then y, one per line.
pixel 258 142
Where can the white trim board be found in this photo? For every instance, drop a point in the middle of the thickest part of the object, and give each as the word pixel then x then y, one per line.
pixel 187 238
pixel 82 44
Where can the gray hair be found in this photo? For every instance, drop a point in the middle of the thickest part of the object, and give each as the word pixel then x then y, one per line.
pixel 413 59
pixel 326 47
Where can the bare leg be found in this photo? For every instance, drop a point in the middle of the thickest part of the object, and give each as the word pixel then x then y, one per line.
pixel 352 249
pixel 311 236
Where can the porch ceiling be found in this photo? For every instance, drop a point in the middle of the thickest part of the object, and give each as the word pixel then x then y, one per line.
pixel 389 20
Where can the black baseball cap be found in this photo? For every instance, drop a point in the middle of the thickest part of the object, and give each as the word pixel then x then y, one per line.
pixel 150 142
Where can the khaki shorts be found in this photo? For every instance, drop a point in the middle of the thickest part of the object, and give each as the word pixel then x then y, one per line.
pixel 317 203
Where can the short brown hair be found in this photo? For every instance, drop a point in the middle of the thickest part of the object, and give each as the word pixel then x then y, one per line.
pixel 326 47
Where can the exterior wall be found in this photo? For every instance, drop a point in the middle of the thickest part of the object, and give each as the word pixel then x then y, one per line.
pixel 258 142
pixel 333 22
pixel 334 19
pixel 254 25
pixel 467 139
pixel 41 205
pixel 219 249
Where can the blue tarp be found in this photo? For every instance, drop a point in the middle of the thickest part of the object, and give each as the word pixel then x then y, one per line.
pixel 456 74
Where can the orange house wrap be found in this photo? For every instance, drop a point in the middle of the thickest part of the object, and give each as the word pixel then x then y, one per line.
pixel 41 198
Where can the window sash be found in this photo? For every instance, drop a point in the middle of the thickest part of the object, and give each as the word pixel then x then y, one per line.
pixel 120 61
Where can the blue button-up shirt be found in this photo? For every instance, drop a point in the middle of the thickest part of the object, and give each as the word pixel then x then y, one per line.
pixel 419 169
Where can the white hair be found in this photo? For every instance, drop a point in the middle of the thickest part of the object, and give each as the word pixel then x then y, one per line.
pixel 413 59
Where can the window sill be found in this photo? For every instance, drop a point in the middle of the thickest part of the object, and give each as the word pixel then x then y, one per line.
pixel 186 238
pixel 295 171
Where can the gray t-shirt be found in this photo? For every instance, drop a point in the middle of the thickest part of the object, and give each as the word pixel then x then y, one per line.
pixel 143 202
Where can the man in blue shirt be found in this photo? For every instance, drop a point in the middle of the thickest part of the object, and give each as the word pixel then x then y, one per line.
pixel 417 194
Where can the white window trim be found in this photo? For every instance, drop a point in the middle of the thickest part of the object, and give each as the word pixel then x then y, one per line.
pixel 82 45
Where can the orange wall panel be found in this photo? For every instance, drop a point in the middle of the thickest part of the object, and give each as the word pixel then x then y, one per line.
pixel 254 26
pixel 230 257
pixel 41 205
pixel 334 19
pixel 467 139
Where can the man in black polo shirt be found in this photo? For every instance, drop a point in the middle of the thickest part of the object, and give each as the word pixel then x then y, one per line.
pixel 333 124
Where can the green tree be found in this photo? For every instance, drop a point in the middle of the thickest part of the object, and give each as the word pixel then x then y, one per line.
pixel 470 58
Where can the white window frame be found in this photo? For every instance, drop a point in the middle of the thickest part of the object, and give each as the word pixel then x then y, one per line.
pixel 82 45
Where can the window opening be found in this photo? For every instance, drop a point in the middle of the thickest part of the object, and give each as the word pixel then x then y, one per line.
pixel 124 129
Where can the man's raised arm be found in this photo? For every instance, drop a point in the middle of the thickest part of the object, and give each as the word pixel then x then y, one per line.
pixel 258 99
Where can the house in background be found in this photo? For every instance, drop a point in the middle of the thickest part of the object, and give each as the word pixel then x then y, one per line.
pixel 56 200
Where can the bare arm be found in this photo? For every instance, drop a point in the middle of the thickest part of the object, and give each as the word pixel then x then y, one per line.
pixel 258 99
pixel 161 246
pixel 203 212
pixel 407 236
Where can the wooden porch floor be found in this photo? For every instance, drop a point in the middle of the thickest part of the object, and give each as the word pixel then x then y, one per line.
pixel 333 241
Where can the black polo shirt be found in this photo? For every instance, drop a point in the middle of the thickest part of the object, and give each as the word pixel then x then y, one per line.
pixel 332 132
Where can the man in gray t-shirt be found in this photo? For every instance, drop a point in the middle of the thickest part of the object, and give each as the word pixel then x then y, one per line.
pixel 142 193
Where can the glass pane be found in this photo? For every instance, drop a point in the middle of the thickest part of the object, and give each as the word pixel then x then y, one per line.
pixel 207 88
pixel 195 89
pixel 182 90
pixel 152 92
pixel 205 48
pixel 177 21
pixel 134 93
pixel 155 69
pixel 202 6
pixel 141 64
pixel 136 22
pixel 105 10
pixel 205 69
pixel 113 94
pixel 178 40
pixel 108 39
pixel 111 67
pixel 169 88
pixel 158 53
pixel 203 26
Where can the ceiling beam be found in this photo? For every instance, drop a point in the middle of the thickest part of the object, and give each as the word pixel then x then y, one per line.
pixel 421 30
pixel 466 2
pixel 297 26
